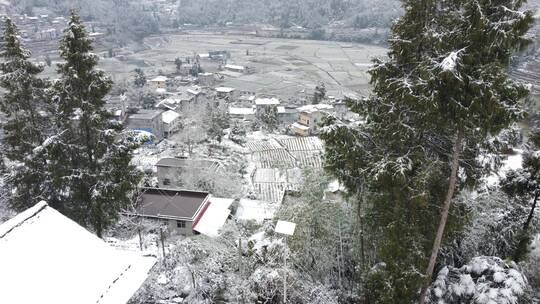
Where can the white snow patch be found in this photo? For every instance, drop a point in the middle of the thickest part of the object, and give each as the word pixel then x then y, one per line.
pixel 169 116
pixel 255 210
pixel 512 162
pixel 449 63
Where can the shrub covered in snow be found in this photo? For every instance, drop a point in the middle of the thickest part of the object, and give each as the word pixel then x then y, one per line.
pixel 484 280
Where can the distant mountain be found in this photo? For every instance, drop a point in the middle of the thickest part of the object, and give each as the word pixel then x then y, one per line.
pixel 310 14
pixel 125 19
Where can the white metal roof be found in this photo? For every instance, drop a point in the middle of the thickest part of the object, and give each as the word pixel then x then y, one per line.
pixel 241 111
pixel 47 258
pixel 267 101
pixel 214 217
pixel 224 89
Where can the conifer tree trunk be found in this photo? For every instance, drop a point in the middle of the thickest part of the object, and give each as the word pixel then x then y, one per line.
pixel 444 215
pixel 521 249
pixel 531 213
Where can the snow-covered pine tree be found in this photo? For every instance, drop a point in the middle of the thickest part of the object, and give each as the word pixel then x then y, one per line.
pixel 216 120
pixel 320 93
pixel 441 93
pixel 484 279
pixel 24 104
pixel 89 158
pixel 524 186
pixel 140 78
pixel 269 118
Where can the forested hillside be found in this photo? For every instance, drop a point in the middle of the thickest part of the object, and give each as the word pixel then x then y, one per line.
pixel 127 20
pixel 286 13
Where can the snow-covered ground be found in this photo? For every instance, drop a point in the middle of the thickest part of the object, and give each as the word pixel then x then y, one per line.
pixel 512 162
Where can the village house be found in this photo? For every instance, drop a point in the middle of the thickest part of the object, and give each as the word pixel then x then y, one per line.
pixel 226 93
pixel 148 121
pixel 181 100
pixel 184 212
pixel 171 122
pixel 179 210
pixel 309 118
pixel 170 171
pixel 235 68
pixel 159 82
pixel 207 79
pixel 264 104
pixel 170 103
pixel 219 55
pixel 300 129
pixel 46 257
pixel 242 113
pixel 246 99
pixel 287 115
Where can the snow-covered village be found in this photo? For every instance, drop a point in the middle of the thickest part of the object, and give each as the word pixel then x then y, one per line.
pixel 269 152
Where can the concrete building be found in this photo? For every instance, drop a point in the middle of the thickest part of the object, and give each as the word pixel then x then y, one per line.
pixel 148 121
pixel 236 68
pixel 287 115
pixel 207 79
pixel 179 210
pixel 309 118
pixel 171 122
pixel 242 113
pixel 185 212
pixel 226 93
pixel 263 104
pixel 159 82
pixel 300 129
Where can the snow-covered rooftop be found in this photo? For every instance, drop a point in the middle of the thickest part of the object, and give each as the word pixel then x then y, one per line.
pixel 214 216
pixel 235 67
pixel 47 258
pixel 241 111
pixel 169 116
pixel 159 79
pixel 315 107
pixel 267 101
pixel 224 89
pixel 255 210
pixel 300 126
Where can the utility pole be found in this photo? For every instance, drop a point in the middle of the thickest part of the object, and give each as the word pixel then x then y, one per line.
pixel 240 256
pixel 285 274
pixel 340 257
pixel 285 228
pixel 162 237
pixel 140 238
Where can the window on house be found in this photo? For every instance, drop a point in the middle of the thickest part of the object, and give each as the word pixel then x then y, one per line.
pixel 166 182
pixel 180 224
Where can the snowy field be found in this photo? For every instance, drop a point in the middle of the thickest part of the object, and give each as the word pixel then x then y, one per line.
pixel 282 66
pixel 286 67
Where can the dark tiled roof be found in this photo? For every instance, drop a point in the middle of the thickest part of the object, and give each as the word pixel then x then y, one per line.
pixel 171 204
